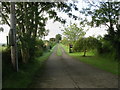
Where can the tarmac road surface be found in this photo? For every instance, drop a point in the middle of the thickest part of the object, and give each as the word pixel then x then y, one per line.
pixel 67 72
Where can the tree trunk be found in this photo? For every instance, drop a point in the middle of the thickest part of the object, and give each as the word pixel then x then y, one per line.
pixel 24 51
pixel 85 52
pixel 25 55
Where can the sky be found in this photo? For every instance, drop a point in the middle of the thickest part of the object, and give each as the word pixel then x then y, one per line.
pixel 56 27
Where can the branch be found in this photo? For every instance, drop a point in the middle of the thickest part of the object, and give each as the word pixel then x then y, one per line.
pixel 7 8
pixel 92 4
pixel 107 25
pixel 5 19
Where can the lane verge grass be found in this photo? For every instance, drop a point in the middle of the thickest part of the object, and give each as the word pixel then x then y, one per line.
pixel 26 73
pixel 101 62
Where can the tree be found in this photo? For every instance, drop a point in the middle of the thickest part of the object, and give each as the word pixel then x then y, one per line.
pixel 65 41
pixel 39 47
pixel 85 44
pixel 58 37
pixel 52 42
pixel 52 39
pixel 106 13
pixel 31 18
pixel 73 33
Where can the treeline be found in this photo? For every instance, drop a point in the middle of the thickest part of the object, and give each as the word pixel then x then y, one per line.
pixel 31 18
pixel 106 13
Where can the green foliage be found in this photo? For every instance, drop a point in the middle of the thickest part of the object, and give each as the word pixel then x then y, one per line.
pixel 86 44
pixel 58 37
pixel 31 21
pixel 52 42
pixel 2 48
pixel 65 41
pixel 66 47
pixel 73 33
pixel 52 39
pixel 24 77
pixel 106 13
pixel 6 61
pixel 104 62
pixel 39 48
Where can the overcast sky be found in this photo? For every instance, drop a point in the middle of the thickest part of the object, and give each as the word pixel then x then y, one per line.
pixel 56 27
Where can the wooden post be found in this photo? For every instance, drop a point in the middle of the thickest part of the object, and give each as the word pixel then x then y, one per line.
pixel 14 57
pixel 7 40
pixel 70 48
pixel 119 18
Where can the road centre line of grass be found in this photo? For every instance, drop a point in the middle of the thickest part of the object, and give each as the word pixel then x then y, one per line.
pixel 59 52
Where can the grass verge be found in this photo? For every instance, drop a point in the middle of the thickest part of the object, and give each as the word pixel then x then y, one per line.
pixel 100 62
pixel 25 75
pixel 2 48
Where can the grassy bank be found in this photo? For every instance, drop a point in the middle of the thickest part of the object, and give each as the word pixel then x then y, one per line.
pixel 101 62
pixel 24 76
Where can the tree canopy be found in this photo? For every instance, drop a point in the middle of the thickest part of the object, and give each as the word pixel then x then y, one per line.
pixel 106 13
pixel 73 33
pixel 31 18
pixel 86 44
pixel 58 37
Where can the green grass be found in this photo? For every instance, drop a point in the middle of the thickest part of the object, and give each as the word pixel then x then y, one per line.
pixel 66 48
pixel 59 52
pixel 90 53
pixel 2 48
pixel 25 75
pixel 101 62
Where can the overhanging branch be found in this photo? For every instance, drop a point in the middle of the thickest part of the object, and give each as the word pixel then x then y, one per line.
pixel 5 19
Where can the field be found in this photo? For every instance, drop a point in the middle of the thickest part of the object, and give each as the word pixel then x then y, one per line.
pixel 101 62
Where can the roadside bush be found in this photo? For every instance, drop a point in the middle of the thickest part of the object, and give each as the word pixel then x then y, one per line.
pixel 52 44
pixel 105 47
pixel 39 47
pixel 86 44
pixel 7 67
pixel 39 52
pixel 6 55
pixel 6 62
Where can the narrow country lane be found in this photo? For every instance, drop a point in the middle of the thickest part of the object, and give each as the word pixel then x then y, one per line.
pixel 66 72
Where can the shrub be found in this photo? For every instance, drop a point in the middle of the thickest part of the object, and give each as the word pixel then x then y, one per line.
pixel 86 44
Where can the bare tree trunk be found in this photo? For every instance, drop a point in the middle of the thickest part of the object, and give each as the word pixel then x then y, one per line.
pixel 25 55
pixel 84 52
pixel 14 57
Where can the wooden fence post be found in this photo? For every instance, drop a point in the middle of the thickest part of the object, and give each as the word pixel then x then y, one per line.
pixel 14 57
